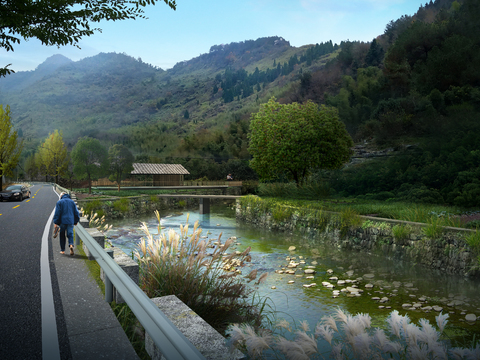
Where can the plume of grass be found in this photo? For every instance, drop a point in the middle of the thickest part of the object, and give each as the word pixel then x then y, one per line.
pixel 179 264
pixel 358 340
pixel 94 221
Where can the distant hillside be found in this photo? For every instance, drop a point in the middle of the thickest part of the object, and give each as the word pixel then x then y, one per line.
pixel 117 98
pixel 20 80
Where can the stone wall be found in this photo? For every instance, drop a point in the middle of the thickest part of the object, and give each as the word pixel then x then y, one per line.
pixel 448 253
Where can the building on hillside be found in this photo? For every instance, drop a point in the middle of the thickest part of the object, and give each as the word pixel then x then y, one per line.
pixel 163 174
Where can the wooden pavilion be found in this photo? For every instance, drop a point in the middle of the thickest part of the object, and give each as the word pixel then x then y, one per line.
pixel 163 174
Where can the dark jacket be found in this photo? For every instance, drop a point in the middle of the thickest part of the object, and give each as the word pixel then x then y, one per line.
pixel 66 211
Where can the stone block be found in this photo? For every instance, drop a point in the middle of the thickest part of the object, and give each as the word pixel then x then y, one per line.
pixel 98 237
pixel 209 342
pixel 84 222
pixel 128 265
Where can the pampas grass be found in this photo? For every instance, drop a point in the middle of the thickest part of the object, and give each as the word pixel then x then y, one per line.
pixel 203 275
pixel 356 339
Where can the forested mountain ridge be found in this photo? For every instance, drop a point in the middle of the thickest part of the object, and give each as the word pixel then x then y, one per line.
pixel 117 98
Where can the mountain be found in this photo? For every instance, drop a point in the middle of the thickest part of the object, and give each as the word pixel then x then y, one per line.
pixel 117 98
pixel 23 79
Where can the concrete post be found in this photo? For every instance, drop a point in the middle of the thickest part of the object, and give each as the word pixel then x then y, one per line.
pixel 204 206
pixel 108 283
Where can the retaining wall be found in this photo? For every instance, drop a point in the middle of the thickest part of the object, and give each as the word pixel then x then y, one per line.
pixel 448 253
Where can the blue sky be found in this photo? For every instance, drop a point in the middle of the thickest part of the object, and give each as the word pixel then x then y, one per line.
pixel 168 36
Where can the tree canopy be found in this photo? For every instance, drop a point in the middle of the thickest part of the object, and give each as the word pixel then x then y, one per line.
pixel 90 160
pixel 58 22
pixel 121 160
pixel 292 139
pixel 10 149
pixel 52 156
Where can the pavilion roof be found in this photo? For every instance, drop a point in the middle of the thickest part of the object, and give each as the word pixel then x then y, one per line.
pixel 158 169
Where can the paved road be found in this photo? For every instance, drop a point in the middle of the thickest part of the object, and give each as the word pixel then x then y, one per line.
pixel 27 305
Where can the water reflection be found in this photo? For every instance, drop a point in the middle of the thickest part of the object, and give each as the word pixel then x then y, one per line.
pixel 399 281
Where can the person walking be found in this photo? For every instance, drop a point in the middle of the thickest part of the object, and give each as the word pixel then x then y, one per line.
pixel 65 217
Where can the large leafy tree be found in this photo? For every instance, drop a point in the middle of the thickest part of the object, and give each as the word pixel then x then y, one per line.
pixel 90 160
pixel 53 155
pixel 61 22
pixel 295 138
pixel 121 160
pixel 10 148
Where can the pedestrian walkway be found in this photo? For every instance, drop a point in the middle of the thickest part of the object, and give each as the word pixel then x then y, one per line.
pixel 92 329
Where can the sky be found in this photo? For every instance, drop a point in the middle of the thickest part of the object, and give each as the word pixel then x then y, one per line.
pixel 168 37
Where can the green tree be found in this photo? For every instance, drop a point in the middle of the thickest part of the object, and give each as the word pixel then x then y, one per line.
pixel 58 22
pixel 90 160
pixel 10 149
pixel 53 155
pixel 293 139
pixel 121 160
pixel 31 168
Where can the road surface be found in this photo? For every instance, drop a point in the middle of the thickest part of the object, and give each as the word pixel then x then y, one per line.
pixel 29 291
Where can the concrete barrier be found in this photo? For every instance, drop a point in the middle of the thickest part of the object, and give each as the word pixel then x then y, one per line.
pixel 206 339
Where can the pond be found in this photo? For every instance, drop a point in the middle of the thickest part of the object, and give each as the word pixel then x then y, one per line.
pixel 387 284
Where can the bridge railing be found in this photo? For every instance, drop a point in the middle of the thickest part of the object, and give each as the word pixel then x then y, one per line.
pixel 135 182
pixel 169 340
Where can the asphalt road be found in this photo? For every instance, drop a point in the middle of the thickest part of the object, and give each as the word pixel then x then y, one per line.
pixel 23 225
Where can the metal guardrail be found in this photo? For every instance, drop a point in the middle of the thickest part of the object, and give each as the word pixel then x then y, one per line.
pixel 169 340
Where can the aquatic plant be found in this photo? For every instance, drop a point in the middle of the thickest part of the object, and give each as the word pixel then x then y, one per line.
pixel 344 336
pixel 200 273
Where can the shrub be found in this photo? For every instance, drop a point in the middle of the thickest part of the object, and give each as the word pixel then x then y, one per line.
pixel 93 206
pixel 121 205
pixel 207 282
pixel 182 203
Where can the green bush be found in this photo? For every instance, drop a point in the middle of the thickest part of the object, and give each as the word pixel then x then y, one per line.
pixel 93 206
pixel 121 205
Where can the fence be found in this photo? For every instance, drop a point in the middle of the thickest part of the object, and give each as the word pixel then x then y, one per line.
pixel 169 340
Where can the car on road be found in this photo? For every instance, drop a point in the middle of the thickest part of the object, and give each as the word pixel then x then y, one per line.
pixel 15 192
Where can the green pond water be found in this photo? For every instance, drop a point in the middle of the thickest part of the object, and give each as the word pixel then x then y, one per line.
pixel 401 282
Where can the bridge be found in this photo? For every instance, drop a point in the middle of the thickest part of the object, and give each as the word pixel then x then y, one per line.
pixel 204 198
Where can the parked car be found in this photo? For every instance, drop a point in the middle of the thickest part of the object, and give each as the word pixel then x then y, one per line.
pixel 15 192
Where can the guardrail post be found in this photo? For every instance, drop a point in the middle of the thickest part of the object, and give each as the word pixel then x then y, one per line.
pixel 108 283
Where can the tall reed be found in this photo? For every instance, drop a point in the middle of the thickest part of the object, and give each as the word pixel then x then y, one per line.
pixel 200 273
pixel 344 336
